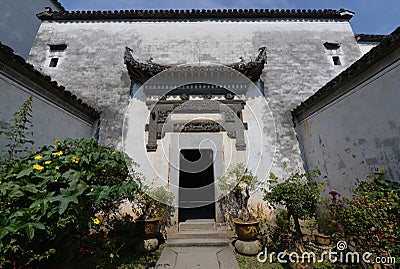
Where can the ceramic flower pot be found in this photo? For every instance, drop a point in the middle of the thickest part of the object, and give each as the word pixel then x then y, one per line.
pixel 149 228
pixel 323 240
pixel 246 230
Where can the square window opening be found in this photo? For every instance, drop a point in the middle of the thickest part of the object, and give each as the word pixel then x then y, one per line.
pixel 336 60
pixel 53 62
pixel 57 47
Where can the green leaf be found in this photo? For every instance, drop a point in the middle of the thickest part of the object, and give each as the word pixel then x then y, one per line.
pixel 30 188
pixel 63 205
pixel 38 225
pixel 25 172
pixel 30 231
pixel 272 176
pixel 16 193
pixel 3 232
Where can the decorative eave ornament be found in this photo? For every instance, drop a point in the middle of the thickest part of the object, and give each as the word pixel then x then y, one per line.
pixel 140 72
pixel 252 69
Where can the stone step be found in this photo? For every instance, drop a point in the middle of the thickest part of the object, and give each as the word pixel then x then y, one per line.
pixel 198 242
pixel 197 224
pixel 191 234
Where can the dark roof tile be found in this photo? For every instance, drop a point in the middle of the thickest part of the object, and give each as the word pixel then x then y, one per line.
pixel 370 37
pixel 195 14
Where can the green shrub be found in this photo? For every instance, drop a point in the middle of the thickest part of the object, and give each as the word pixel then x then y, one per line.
pixel 57 195
pixel 371 219
pixel 299 194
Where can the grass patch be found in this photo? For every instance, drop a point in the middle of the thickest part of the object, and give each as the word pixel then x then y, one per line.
pixel 128 259
pixel 139 260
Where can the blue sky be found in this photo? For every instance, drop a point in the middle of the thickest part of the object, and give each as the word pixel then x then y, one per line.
pixel 372 16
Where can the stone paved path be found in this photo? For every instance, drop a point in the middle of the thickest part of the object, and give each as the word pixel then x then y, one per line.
pixel 197 258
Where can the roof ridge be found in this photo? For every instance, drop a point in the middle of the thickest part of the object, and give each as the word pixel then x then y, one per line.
pixel 16 62
pixel 370 37
pixel 195 14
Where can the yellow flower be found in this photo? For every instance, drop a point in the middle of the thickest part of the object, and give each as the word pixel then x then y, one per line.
pixel 56 142
pixel 91 189
pixel 58 153
pixel 47 162
pixel 104 170
pixel 113 152
pixel 111 255
pixel 75 159
pixel 57 167
pixel 38 157
pixel 96 221
pixel 382 171
pixel 38 167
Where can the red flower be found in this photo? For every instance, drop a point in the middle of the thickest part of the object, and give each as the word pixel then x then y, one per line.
pixel 84 250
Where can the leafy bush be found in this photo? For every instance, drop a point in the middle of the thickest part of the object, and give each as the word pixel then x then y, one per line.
pixel 299 194
pixel 53 197
pixel 371 219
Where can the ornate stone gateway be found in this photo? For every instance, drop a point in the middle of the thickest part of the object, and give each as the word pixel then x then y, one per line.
pixel 179 112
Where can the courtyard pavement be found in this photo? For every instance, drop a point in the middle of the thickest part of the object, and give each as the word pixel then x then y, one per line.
pixel 197 258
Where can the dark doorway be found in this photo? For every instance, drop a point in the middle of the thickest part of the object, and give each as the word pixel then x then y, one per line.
pixel 196 185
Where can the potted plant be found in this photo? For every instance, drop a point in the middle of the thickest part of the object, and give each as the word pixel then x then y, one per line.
pixel 237 185
pixel 153 210
pixel 299 194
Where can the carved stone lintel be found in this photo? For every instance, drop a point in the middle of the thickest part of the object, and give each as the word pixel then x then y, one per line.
pixel 207 96
pixel 229 96
pixel 184 97
pixel 240 145
pixel 151 147
pixel 231 120
pixel 201 126
pixel 231 134
pixel 229 116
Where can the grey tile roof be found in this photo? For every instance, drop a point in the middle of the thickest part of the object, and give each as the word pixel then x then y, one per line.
pixel 196 14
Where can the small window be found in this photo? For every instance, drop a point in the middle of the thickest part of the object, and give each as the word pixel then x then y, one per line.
pixel 336 60
pixel 331 46
pixel 57 47
pixel 53 62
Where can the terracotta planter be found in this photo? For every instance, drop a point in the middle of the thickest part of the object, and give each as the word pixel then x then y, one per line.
pixel 323 240
pixel 149 228
pixel 246 230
